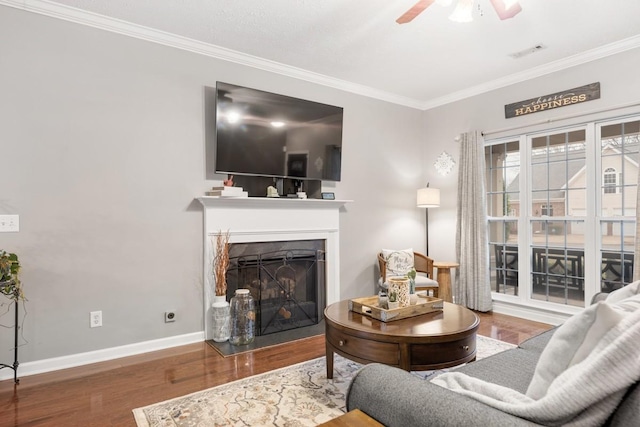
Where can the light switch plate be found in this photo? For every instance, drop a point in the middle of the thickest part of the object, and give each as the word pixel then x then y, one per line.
pixel 9 223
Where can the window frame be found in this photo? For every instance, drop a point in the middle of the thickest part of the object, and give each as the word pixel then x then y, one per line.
pixel 593 220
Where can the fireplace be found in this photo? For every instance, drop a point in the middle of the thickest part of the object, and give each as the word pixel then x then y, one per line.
pixel 285 278
pixel 265 220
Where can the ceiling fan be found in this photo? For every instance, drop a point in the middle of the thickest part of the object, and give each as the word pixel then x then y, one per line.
pixel 462 13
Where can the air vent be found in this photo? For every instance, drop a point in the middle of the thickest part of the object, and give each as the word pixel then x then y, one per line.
pixel 528 51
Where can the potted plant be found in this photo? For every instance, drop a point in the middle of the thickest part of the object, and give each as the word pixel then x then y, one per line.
pixel 413 298
pixel 393 300
pixel 9 280
pixel 412 280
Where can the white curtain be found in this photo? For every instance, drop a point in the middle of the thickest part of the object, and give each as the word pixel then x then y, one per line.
pixel 473 287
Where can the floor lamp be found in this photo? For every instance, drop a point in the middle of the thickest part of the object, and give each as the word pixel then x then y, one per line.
pixel 428 198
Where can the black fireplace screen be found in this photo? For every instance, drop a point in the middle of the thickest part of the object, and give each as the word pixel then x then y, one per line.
pixel 286 279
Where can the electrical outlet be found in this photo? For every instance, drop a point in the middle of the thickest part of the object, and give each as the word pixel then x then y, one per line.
pixel 169 316
pixel 96 319
pixel 9 223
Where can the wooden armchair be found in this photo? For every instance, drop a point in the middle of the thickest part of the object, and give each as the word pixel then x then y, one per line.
pixel 422 264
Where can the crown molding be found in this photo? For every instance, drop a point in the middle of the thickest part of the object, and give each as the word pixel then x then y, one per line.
pixel 552 67
pixel 95 20
pixel 114 25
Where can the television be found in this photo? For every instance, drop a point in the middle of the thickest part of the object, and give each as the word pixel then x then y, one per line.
pixel 265 134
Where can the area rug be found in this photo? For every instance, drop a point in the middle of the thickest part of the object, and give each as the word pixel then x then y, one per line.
pixel 298 395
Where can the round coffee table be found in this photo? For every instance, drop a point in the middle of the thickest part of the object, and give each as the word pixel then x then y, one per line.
pixel 429 341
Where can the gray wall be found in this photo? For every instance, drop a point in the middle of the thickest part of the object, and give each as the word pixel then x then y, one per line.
pixel 620 85
pixel 102 153
pixel 102 142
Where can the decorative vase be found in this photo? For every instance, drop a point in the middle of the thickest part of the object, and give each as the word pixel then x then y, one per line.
pixel 243 318
pixel 413 298
pixel 400 285
pixel 221 318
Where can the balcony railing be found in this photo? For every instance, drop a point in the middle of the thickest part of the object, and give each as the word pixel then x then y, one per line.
pixel 560 269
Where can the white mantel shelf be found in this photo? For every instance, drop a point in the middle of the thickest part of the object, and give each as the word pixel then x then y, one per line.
pixel 270 202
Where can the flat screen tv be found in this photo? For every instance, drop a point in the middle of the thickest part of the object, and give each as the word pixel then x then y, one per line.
pixel 265 134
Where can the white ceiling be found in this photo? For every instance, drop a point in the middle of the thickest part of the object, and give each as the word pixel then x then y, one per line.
pixel 357 45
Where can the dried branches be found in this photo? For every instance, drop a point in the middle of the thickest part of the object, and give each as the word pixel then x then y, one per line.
pixel 221 262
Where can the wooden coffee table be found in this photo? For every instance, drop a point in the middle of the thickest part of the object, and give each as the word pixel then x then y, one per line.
pixel 429 341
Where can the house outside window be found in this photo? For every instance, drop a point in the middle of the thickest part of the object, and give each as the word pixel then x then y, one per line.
pixel 554 239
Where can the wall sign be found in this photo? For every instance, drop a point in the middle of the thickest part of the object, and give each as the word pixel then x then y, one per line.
pixel 555 100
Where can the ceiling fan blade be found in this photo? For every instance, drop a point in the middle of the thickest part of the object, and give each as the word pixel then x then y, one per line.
pixel 503 12
pixel 416 10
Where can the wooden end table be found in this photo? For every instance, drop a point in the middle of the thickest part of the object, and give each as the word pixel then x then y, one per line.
pixel 444 279
pixel 429 341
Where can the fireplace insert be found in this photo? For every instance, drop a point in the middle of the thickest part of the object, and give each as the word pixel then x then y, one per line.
pixel 286 279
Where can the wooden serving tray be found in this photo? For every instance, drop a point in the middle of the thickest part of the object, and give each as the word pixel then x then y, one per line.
pixel 369 307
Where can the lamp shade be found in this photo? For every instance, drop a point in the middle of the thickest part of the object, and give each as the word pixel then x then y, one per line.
pixel 428 197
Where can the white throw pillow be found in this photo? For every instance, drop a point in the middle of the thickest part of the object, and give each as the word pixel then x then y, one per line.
pixel 399 262
pixel 625 292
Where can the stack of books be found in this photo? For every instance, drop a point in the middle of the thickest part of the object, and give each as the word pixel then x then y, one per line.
pixel 227 192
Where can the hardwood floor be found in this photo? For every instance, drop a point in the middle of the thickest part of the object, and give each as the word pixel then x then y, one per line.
pixel 104 394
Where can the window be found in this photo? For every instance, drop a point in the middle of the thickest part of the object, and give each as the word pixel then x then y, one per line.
pixel 609 180
pixel 558 184
pixel 554 239
pixel 619 146
pixel 503 198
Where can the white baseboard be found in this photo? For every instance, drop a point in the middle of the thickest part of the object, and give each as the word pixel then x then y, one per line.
pixel 530 313
pixel 73 360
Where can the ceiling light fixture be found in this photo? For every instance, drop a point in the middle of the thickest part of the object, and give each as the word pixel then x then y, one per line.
pixel 277 124
pixel 506 8
pixel 463 11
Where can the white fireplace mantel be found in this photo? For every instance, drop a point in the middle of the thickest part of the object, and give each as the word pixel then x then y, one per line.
pixel 268 202
pixel 261 219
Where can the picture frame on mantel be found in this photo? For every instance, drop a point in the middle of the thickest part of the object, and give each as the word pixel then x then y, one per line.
pixel 328 196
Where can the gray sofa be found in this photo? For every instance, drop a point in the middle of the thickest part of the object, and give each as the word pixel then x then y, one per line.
pixel 397 398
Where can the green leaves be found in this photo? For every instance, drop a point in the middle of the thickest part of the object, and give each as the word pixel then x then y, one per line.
pixel 9 281
pixel 393 296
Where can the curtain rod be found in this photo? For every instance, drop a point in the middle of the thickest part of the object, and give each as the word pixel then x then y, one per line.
pixel 572 116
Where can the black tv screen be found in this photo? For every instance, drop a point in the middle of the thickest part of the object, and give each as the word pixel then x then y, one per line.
pixel 265 134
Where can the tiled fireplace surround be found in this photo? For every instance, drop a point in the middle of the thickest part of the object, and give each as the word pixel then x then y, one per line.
pixel 269 220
